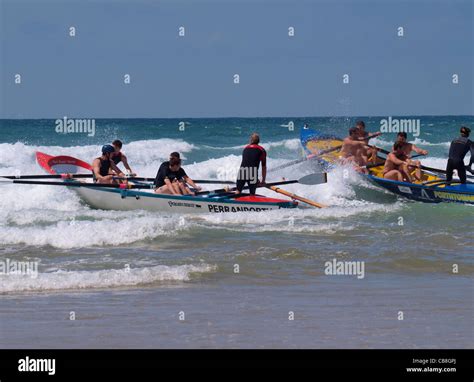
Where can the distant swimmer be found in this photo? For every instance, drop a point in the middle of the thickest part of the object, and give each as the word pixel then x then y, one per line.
pixel 396 167
pixel 118 156
pixel 252 156
pixel 457 151
pixel 172 179
pixel 353 149
pixel 103 166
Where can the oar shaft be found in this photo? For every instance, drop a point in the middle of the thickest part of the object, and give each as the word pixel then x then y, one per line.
pixel 58 176
pixel 296 197
pixel 220 190
pixel 78 184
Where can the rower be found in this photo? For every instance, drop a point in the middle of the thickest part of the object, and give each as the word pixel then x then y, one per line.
pixel 252 155
pixel 172 179
pixel 102 166
pixel 396 167
pixel 370 152
pixel 353 149
pixel 118 156
pixel 408 148
pixel 457 151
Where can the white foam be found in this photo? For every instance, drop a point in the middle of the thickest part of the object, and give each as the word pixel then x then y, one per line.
pixel 100 228
pixel 73 280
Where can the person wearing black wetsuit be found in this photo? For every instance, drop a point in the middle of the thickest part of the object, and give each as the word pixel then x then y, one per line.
pixel 252 155
pixel 457 151
pixel 102 166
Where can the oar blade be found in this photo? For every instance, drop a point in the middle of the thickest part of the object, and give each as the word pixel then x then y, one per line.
pixel 315 178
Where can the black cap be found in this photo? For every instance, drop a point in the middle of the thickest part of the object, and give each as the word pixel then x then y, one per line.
pixel 175 155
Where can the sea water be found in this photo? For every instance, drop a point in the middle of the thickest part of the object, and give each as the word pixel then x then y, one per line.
pixel 243 280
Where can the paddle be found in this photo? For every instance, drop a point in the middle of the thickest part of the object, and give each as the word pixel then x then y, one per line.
pixel 77 184
pixel 311 179
pixel 296 197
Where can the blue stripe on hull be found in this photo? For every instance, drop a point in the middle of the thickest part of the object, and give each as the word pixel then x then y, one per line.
pixel 457 194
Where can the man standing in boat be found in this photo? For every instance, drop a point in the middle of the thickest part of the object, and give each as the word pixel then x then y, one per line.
pixel 103 166
pixel 118 156
pixel 457 151
pixel 252 155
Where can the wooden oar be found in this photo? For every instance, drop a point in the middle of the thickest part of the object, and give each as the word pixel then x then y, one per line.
pixel 311 179
pixel 296 197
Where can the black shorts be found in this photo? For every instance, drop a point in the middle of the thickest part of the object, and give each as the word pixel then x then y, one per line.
pixel 252 186
pixel 456 165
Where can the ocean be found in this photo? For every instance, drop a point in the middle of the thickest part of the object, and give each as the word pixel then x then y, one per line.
pixel 115 279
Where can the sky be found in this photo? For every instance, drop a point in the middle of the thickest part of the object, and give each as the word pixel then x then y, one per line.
pixel 193 76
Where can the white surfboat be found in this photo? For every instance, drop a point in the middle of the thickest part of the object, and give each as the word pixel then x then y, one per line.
pixel 130 199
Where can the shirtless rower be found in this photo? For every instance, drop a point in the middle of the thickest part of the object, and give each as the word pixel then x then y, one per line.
pixel 408 148
pixel 397 165
pixel 353 149
pixel 370 152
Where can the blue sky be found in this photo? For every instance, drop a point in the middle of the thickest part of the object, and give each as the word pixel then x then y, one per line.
pixel 193 76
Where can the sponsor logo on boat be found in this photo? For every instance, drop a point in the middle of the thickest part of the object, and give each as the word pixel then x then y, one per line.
pixel 183 204
pixel 454 196
pixel 395 125
pixel 219 208
pixel 345 268
pixel 12 267
pixel 75 126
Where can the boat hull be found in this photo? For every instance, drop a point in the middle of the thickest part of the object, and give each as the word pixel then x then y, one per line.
pixel 128 200
pixel 460 193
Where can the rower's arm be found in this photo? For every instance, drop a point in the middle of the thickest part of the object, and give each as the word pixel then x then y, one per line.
pixel 96 169
pixel 191 182
pixel 125 163
pixel 264 173
pixel 116 169
pixel 418 150
pixel 395 160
